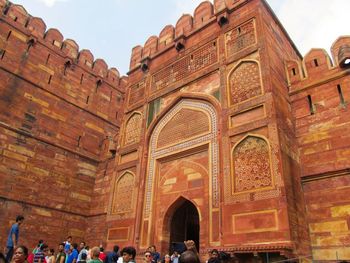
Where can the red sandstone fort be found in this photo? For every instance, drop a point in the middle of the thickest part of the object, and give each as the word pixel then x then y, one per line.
pixel 221 133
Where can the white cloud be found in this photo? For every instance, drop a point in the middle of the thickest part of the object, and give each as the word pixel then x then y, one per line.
pixel 314 23
pixel 51 3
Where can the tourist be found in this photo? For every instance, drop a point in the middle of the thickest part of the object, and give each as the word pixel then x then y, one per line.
pixel 214 253
pixel 113 256
pixel 102 255
pixel 30 258
pixel 39 256
pixel 166 259
pixel 224 257
pixel 175 257
pixel 87 248
pixel 67 244
pixel 73 254
pixel 95 253
pixel 61 256
pixel 82 250
pixel 147 257
pixel 191 254
pixel 189 257
pixel 213 256
pixel 40 242
pixel 50 258
pixel 128 254
pixel 155 254
pixel 20 255
pixel 13 237
pixel 82 258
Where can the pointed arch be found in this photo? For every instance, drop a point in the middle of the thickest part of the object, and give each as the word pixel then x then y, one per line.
pixel 251 165
pixel 132 131
pixel 178 203
pixel 176 129
pixel 207 139
pixel 197 96
pixel 244 81
pixel 210 136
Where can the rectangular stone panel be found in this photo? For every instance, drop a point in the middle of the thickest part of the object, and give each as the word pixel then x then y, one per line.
pixel 128 157
pixel 136 92
pixel 331 254
pixel 215 227
pixel 330 226
pixel 144 237
pixel 260 221
pixel 200 58
pixel 340 211
pixel 247 116
pixel 240 38
pixel 118 234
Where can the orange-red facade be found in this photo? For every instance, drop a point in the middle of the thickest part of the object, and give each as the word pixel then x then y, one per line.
pixel 220 111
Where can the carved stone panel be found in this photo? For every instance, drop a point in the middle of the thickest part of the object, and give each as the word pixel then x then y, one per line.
pixel 251 165
pixel 240 37
pixel 186 124
pixel 182 68
pixel 136 93
pixel 133 129
pixel 245 82
pixel 123 194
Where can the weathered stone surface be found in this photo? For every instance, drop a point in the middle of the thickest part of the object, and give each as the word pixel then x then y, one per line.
pixel 226 116
pixel 53 123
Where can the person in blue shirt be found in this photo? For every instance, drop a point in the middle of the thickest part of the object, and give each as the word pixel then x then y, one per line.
pixel 113 256
pixel 73 255
pixel 155 254
pixel 13 237
pixel 67 244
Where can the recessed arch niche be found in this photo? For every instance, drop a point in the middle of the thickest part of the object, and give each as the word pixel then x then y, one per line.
pixel 189 124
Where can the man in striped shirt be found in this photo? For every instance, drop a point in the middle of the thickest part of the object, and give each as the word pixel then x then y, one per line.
pixel 39 256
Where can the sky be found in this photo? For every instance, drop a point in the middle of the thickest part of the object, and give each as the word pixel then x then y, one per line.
pixel 111 28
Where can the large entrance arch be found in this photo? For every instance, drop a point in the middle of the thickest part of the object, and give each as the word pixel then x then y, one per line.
pixel 183 161
pixel 184 225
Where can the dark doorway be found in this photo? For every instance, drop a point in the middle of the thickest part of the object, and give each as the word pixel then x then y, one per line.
pixel 184 225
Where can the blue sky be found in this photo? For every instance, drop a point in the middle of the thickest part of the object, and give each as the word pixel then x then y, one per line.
pixel 111 28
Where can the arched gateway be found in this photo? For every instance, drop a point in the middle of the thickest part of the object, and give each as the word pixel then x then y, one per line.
pixel 182 180
pixel 181 222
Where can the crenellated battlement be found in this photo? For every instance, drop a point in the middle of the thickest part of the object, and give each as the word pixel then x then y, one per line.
pixel 317 65
pixel 220 117
pixel 60 112
pixel 42 56
pixel 174 37
pixel 34 32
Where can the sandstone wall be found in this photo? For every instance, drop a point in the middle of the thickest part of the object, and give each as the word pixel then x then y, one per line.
pixel 60 111
pixel 319 91
pixel 220 110
pixel 231 55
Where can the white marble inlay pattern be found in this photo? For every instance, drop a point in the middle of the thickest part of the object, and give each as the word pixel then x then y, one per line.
pixel 211 138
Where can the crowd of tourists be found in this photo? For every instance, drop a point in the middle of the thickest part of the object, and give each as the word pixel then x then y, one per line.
pixel 69 252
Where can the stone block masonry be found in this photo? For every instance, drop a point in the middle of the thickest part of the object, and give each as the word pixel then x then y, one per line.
pixel 60 112
pixel 227 136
